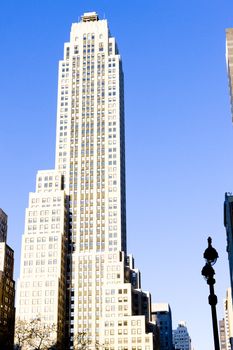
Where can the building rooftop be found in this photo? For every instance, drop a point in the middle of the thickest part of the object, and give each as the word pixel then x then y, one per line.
pixel 90 17
pixel 158 307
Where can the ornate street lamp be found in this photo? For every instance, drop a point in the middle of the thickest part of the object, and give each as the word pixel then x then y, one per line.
pixel 211 255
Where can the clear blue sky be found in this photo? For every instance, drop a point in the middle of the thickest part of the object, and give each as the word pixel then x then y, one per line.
pixel 179 137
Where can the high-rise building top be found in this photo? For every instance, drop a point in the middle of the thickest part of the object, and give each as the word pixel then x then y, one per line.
pixel 104 299
pixel 90 148
pixel 181 338
pixel 90 17
pixel 229 61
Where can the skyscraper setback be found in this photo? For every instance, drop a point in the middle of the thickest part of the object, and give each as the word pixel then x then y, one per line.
pixel 74 263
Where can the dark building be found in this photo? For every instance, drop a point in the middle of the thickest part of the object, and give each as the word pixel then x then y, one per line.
pixel 7 288
pixel 162 317
pixel 228 223
pixel 3 226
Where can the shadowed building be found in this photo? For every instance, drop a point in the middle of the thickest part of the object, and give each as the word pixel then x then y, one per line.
pixel 7 288
pixel 228 223
pixel 3 226
pixel 161 315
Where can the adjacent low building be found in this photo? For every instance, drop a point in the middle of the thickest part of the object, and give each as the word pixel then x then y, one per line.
pixel 41 289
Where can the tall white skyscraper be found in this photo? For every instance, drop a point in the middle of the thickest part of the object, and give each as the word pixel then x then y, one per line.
pixel 103 299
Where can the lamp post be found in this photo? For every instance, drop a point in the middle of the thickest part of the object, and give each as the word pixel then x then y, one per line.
pixel 211 255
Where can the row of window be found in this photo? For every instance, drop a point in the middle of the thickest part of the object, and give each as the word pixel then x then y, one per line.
pixel 41 239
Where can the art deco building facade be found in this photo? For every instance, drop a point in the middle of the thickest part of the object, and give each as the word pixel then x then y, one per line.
pixel 104 299
pixel 229 60
pixel 7 288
